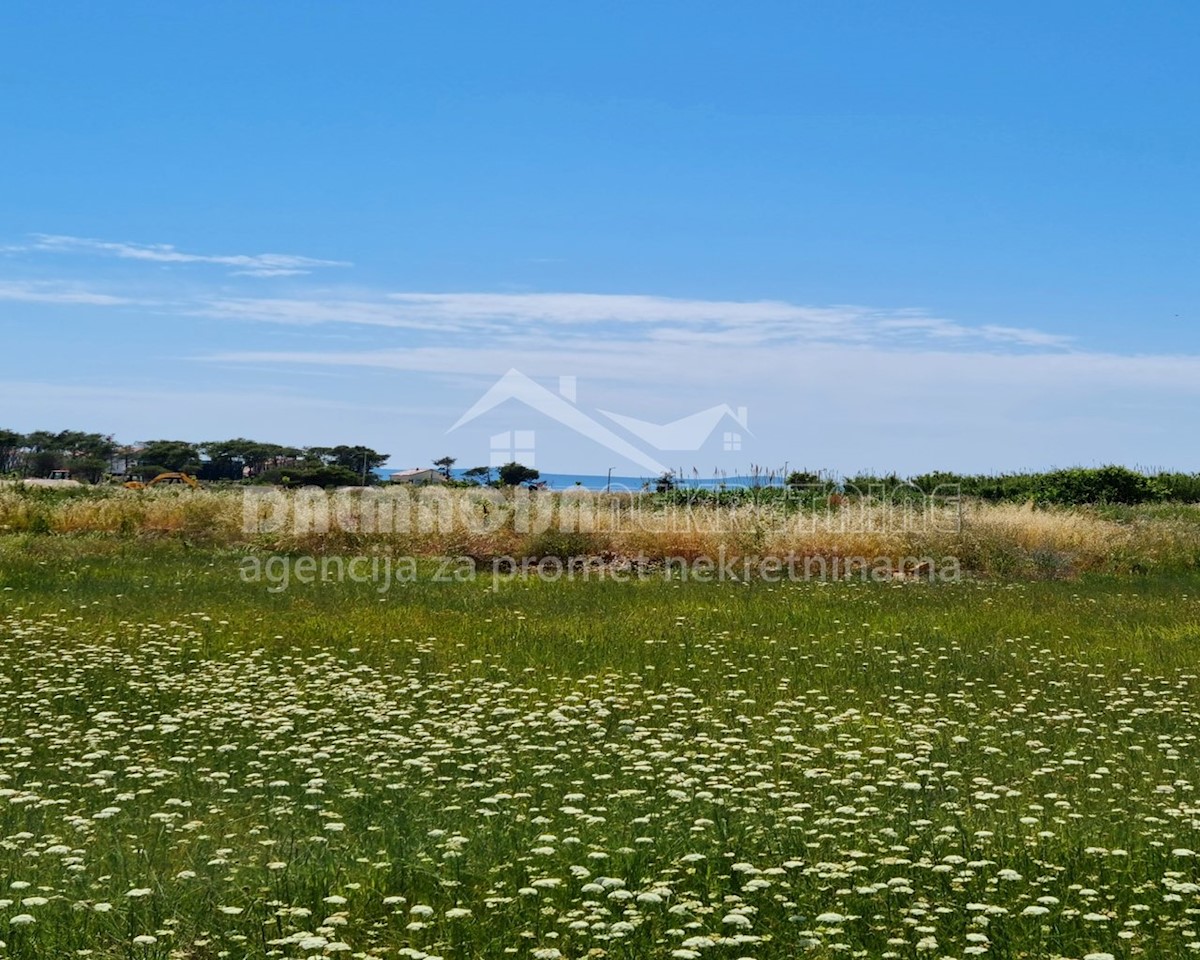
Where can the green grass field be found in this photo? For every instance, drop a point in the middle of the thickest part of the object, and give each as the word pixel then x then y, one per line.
pixel 192 766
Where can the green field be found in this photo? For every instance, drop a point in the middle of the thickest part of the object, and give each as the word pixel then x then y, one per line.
pixel 192 766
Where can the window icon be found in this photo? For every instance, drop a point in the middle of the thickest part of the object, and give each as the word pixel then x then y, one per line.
pixel 512 446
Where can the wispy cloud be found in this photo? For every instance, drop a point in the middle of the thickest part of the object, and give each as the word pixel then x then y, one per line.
pixel 247 265
pixel 15 291
pixel 697 364
pixel 901 385
pixel 302 312
pixel 524 318
pixel 1023 336
pixel 847 406
pixel 581 316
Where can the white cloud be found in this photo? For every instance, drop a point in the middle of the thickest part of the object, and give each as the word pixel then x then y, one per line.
pixel 20 292
pixel 838 406
pixel 582 308
pixel 837 367
pixel 841 386
pixel 529 317
pixel 270 272
pixel 582 316
pixel 252 265
pixel 311 312
pixel 1023 336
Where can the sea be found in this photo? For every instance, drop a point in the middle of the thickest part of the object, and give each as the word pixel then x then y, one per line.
pixel 630 484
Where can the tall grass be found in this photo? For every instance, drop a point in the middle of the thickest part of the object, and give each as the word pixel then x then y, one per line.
pixel 987 538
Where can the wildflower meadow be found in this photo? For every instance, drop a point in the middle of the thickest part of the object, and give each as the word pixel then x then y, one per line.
pixel 192 766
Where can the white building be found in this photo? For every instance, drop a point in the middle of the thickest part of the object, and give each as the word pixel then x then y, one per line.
pixel 427 475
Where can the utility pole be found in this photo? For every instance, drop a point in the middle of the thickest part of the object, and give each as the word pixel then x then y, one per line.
pixel 608 482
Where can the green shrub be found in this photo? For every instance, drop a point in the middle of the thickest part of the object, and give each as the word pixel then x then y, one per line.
pixel 1111 484
pixel 564 545
pixel 1180 487
pixel 1070 487
pixel 313 476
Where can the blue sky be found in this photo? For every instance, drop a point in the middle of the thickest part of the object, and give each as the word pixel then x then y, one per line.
pixel 902 236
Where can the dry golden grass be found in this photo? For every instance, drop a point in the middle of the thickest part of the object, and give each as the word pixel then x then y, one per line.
pixel 1078 539
pixel 985 538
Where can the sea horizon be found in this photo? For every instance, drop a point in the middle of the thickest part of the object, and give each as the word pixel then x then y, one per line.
pixel 619 484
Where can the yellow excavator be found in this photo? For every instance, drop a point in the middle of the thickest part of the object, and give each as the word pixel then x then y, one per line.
pixel 164 479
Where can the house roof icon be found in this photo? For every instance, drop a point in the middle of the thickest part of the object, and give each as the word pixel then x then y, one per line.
pixel 514 385
pixel 686 433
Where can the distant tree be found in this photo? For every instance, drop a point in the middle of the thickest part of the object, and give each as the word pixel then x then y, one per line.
pixel 478 474
pixel 228 459
pixel 41 440
pixel 224 459
pixel 42 453
pixel 513 474
pixel 362 460
pixel 312 474
pixel 12 451
pixel 665 483
pixel 87 455
pixel 89 469
pixel 323 454
pixel 444 464
pixel 274 455
pixel 76 443
pixel 169 455
pixel 41 463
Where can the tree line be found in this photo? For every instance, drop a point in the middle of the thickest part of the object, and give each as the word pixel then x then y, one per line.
pixel 1069 486
pixel 91 457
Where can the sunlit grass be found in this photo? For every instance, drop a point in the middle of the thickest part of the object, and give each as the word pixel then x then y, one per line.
pixel 1003 539
pixel 192 766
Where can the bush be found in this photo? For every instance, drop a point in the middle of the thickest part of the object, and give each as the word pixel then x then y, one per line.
pixel 312 476
pixel 1071 487
pixel 1180 487
pixel 1077 486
